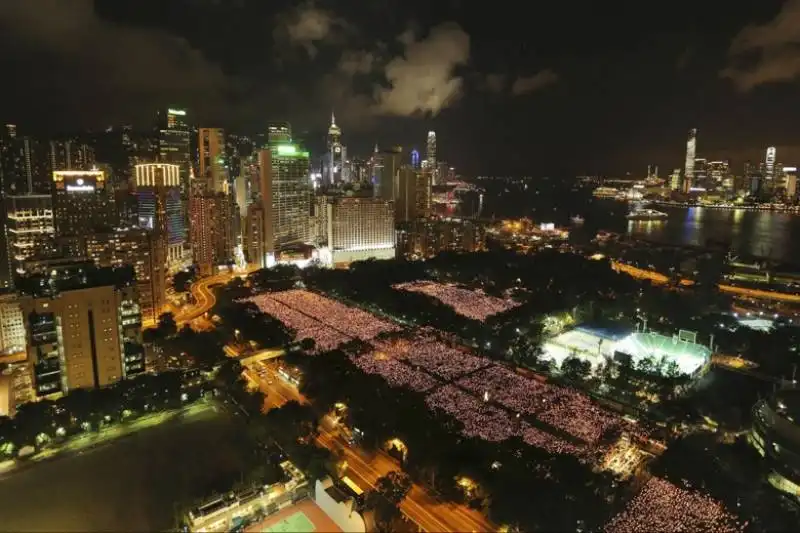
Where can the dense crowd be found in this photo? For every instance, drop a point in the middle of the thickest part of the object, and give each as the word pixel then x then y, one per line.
pixel 560 407
pixel 423 362
pixel 478 417
pixel 435 357
pixel 394 372
pixel 349 320
pixel 471 304
pixel 661 507
pixel 325 337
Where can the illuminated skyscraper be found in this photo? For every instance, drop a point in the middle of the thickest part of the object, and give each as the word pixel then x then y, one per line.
pixel 82 204
pixel 285 196
pixel 430 155
pixel 29 228
pixel 160 207
pixel 691 152
pixel 335 169
pixel 174 144
pixel 415 158
pixel 279 133
pixel 769 164
pixel 210 230
pixel 359 229
pixel 212 171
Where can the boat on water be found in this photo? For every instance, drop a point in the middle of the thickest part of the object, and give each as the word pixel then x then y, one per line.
pixel 577 220
pixel 646 214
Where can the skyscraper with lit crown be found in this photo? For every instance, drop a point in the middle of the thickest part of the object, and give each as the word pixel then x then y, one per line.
pixel 335 164
pixel 691 152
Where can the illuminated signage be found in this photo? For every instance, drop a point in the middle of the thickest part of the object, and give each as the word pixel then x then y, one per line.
pixel 179 112
pixel 80 188
pixel 790 169
pixel 287 149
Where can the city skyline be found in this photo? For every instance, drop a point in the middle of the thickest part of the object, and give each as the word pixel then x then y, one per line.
pixel 565 97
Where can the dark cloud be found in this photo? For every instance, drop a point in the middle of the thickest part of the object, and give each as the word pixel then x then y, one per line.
pixel 423 79
pixel 309 26
pixel 527 84
pixel 766 53
pixel 72 55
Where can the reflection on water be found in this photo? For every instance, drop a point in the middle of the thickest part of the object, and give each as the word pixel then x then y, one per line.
pixel 760 233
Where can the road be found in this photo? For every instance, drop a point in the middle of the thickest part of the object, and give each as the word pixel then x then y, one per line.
pixel 420 506
pixel 661 279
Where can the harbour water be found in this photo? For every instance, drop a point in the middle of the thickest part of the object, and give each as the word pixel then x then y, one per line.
pixel 758 233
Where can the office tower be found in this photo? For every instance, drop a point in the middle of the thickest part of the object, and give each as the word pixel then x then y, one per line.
pixel 174 147
pixel 212 175
pixel 691 152
pixel 81 205
pixel 405 190
pixel 12 325
pixel 241 188
pixel 211 233
pixel 279 133
pixel 422 194
pixel 430 156
pixel 23 166
pixel 70 154
pixel 160 208
pixel 82 332
pixel 253 242
pixel 415 158
pixel 335 170
pixel 675 180
pixel 285 196
pixel 790 183
pixel 30 229
pixel 700 172
pixel 389 163
pixel 717 171
pixel 442 171
pixel 769 164
pixel 359 229
pixel 143 250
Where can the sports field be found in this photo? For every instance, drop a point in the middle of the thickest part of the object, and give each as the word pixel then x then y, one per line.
pixel 302 517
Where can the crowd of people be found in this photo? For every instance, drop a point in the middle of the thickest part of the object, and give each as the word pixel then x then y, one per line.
pixel 661 507
pixel 352 322
pixel 394 372
pixel 434 356
pixel 469 303
pixel 325 337
pixel 480 419
pixel 560 407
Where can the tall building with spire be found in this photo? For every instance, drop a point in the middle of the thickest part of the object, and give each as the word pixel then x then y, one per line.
pixel 691 152
pixel 430 156
pixel 335 165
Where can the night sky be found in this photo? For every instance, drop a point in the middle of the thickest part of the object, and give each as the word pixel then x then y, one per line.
pixel 523 88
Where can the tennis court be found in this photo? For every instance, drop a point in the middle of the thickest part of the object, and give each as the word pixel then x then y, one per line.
pixel 296 523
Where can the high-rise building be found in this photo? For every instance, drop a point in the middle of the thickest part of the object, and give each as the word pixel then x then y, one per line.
pixel 174 147
pixel 30 228
pixel 83 332
pixel 790 183
pixel 426 238
pixel 212 175
pixel 422 194
pixel 210 230
pixel 359 229
pixel 415 162
pixel 285 196
pixel 279 133
pixel 389 163
pixel 405 194
pixel 769 164
pixel 675 180
pixel 12 325
pixel 160 207
pixel 82 204
pixel 253 242
pixel 717 171
pixel 142 250
pixel 23 166
pixel 334 166
pixel 691 153
pixel 70 154
pixel 430 156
